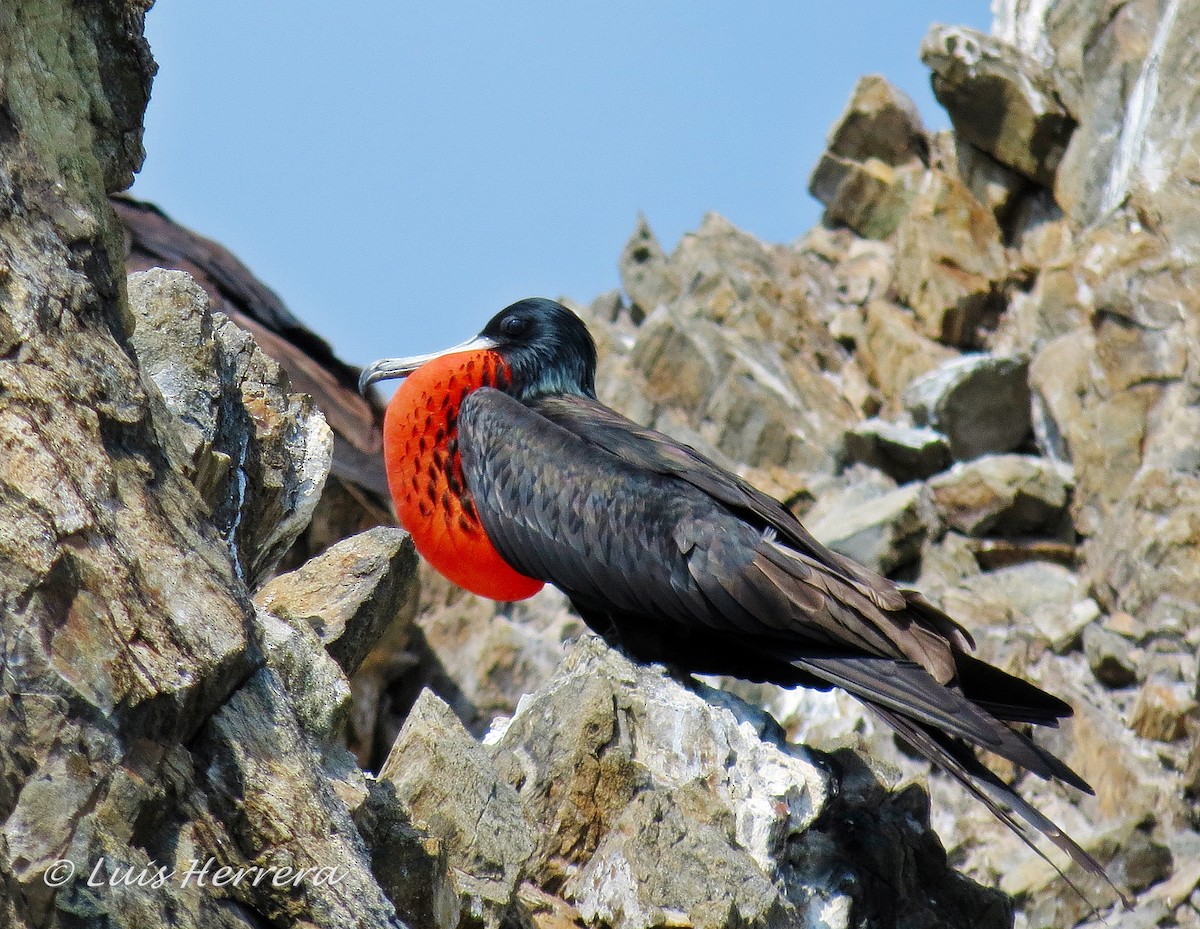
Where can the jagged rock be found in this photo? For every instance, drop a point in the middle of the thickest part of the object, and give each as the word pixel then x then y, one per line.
pixel 883 532
pixel 258 454
pixel 1126 86
pixel 904 452
pixel 268 804
pixel 980 402
pixel 1055 375
pixel 355 494
pixel 1110 656
pixel 945 562
pixel 1003 495
pixel 646 275
pixel 668 804
pixel 1065 629
pixel 843 271
pixel 124 623
pixel 695 364
pixel 996 186
pixel 318 688
pixel 1145 562
pixel 447 784
pixel 359 598
pixel 739 357
pixel 351 594
pixel 1162 709
pixel 412 866
pixel 999 99
pixel 874 159
pixel 950 260
pixel 894 354
pixel 1038 597
pixel 482 660
pixel 1191 773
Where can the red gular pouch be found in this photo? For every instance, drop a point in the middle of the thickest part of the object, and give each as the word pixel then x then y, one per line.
pixel 424 469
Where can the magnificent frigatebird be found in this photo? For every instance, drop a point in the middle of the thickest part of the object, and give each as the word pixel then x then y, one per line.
pixel 510 474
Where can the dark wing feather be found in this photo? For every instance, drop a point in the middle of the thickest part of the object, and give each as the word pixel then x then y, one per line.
pixel 917 628
pixel 905 688
pixel 660 454
pixel 953 758
pixel 611 532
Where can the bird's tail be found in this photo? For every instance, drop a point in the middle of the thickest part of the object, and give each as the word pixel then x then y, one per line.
pixel 957 760
pixel 938 721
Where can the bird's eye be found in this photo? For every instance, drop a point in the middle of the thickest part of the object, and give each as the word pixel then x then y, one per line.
pixel 514 325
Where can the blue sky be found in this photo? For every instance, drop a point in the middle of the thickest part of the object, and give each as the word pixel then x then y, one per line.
pixel 398 172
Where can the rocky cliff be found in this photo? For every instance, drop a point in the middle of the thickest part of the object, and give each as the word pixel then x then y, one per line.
pixel 980 375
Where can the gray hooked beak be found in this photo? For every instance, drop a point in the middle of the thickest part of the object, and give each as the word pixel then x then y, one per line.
pixel 386 368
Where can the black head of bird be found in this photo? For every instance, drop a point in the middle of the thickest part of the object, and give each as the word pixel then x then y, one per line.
pixel 545 348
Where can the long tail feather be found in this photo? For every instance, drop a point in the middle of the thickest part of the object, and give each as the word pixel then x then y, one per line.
pixel 957 760
pixel 908 690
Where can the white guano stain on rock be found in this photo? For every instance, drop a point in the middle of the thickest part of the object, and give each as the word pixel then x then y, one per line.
pixel 1131 146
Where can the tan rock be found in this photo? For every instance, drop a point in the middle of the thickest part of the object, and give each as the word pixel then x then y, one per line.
pixel 883 532
pixel 893 353
pixel 1162 710
pixel 1136 115
pixel 980 402
pixel 950 260
pixel 412 866
pixel 673 806
pixel 904 452
pixel 351 594
pixel 258 454
pixel 1145 560
pixel 646 275
pixel 482 660
pixel 1037 598
pixel 1003 495
pixel 874 159
pixel 999 99
pixel 447 784
pixel 358 600
pixel 1112 658
pixel 995 185
pixel 742 357
pixel 871 197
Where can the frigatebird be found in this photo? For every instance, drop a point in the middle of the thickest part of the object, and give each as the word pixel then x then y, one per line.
pixel 510 474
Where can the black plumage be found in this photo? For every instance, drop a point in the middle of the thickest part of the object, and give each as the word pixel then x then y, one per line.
pixel 673 559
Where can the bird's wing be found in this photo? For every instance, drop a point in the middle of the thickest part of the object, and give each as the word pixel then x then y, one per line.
pixel 658 453
pixel 642 525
